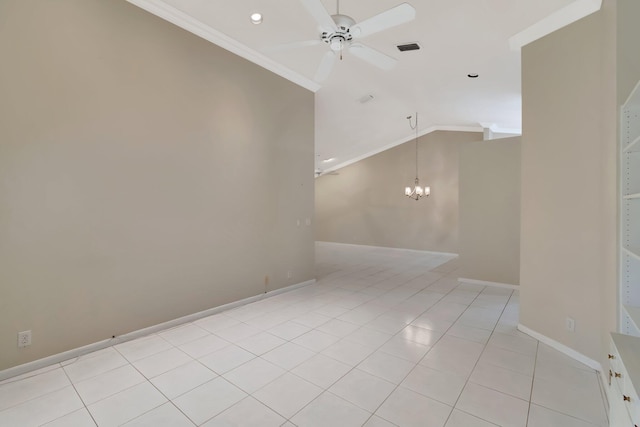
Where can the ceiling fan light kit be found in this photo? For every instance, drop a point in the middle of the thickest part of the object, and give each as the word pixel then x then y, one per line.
pixel 337 39
pixel 341 32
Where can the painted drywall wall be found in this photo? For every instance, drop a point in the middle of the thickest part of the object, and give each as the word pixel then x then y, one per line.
pixel 609 159
pixel 569 148
pixel 145 174
pixel 489 245
pixel 365 203
pixel 628 34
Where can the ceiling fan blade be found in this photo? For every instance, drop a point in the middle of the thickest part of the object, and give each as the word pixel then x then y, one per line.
pixel 372 56
pixel 294 45
pixel 326 65
pixel 320 14
pixel 382 21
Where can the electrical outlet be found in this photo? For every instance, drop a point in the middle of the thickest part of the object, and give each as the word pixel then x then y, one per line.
pixel 289 274
pixel 24 339
pixel 571 324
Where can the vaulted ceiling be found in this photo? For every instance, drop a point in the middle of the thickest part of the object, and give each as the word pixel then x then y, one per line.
pixel 362 109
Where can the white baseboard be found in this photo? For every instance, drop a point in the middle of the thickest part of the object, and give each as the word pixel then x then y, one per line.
pixel 81 351
pixel 561 348
pixel 486 283
pixel 390 248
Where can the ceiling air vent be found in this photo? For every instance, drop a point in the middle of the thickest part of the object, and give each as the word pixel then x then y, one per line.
pixel 408 46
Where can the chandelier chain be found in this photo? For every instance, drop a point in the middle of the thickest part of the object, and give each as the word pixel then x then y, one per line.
pixel 416 129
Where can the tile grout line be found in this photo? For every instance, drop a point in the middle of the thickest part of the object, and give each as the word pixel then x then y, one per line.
pixel 148 380
pixel 287 370
pixel 355 367
pixel 533 380
pixel 428 351
pixel 392 336
pixel 38 396
pixel 479 357
pixel 86 408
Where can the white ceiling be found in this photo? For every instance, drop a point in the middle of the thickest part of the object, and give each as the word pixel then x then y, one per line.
pixel 457 37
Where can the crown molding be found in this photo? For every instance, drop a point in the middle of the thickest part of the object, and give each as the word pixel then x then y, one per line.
pixel 561 18
pixel 402 141
pixel 200 29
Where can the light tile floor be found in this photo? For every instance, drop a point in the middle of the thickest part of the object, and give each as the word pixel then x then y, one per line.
pixel 384 338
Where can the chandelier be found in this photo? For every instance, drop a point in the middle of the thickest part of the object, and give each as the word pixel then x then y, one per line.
pixel 417 191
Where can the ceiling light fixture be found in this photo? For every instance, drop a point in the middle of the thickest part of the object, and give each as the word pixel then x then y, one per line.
pixel 416 192
pixel 256 18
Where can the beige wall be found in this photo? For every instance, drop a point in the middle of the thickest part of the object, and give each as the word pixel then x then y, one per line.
pixel 145 174
pixel 568 183
pixel 365 204
pixel 489 245
pixel 628 34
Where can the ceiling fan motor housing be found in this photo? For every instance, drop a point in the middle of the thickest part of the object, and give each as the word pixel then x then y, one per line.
pixel 337 39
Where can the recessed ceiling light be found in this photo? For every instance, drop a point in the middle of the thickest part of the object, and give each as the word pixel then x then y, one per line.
pixel 472 75
pixel 329 160
pixel 256 18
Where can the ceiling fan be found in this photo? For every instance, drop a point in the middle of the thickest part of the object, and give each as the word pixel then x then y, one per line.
pixel 340 33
